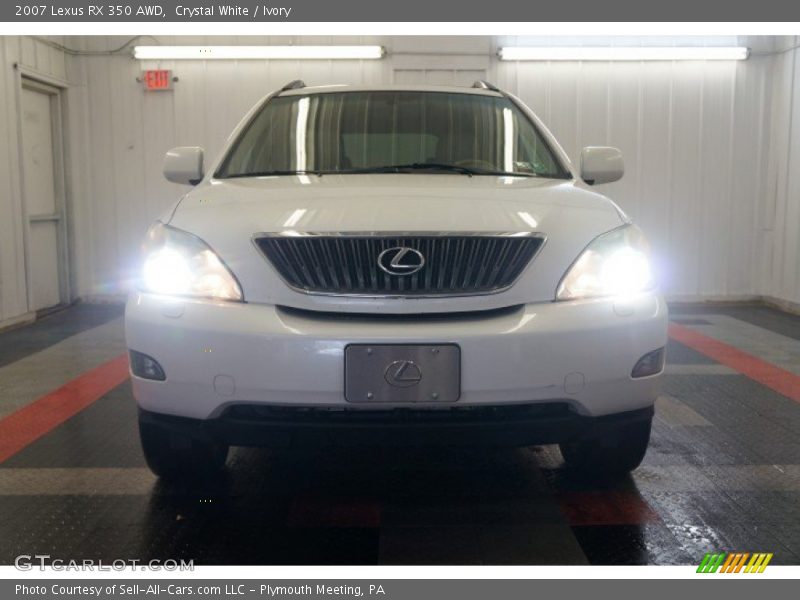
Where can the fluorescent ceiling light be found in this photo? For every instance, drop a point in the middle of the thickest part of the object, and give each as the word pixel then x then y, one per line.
pixel 623 53
pixel 256 52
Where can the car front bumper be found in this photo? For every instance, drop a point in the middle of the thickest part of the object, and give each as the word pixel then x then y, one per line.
pixel 218 355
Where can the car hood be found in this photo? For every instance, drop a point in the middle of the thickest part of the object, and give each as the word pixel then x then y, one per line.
pixel 228 213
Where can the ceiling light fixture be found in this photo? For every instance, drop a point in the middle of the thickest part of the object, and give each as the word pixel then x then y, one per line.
pixel 258 52
pixel 610 53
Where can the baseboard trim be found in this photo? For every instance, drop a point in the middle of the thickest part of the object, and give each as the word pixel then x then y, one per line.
pixel 18 321
pixel 740 299
pixel 787 306
pixel 781 304
pixel 104 299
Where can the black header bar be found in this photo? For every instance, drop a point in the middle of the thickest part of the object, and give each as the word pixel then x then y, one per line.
pixel 494 11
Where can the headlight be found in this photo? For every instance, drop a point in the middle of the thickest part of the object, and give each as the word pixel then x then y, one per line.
pixel 615 263
pixel 181 264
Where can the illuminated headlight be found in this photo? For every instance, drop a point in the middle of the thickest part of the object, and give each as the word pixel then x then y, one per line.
pixel 178 263
pixel 615 264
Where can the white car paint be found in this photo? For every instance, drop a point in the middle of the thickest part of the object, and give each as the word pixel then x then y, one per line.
pixel 217 353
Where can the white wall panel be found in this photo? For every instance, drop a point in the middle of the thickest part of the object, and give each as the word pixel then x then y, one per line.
pixel 12 268
pixel 654 172
pixel 780 210
pixel 79 175
pixel 683 230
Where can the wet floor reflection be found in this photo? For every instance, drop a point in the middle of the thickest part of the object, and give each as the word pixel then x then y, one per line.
pixel 417 506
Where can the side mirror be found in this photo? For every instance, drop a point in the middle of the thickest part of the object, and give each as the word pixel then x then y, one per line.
pixel 601 164
pixel 184 164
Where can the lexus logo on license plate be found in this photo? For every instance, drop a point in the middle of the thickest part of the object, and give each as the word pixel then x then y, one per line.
pixel 401 260
pixel 403 373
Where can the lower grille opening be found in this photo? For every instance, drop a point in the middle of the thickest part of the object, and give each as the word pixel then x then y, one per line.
pixel 464 316
pixel 460 414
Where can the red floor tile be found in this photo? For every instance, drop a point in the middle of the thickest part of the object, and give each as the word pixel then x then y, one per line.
pixel 31 422
pixel 780 380
pixel 606 508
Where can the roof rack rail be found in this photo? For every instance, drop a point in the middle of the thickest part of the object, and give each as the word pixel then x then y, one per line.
pixel 293 85
pixel 485 85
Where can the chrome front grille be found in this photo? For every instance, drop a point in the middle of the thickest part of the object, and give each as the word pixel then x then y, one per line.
pixel 368 265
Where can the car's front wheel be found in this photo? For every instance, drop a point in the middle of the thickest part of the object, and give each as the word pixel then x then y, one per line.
pixel 175 456
pixel 610 455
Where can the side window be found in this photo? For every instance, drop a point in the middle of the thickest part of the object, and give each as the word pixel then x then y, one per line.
pixel 532 155
pixel 268 140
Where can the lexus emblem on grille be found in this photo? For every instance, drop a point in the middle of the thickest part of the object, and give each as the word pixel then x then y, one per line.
pixel 403 373
pixel 401 260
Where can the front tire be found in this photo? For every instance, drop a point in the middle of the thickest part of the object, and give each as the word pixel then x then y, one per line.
pixel 610 455
pixel 174 456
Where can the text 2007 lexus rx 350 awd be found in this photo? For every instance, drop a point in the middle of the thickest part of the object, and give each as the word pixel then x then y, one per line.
pixel 414 265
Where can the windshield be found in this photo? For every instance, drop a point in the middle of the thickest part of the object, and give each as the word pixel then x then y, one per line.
pixel 391 131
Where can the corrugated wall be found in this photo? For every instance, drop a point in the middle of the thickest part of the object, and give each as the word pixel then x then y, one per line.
pixel 696 137
pixel 778 218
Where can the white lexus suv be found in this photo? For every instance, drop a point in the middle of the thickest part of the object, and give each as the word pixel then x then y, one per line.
pixel 394 264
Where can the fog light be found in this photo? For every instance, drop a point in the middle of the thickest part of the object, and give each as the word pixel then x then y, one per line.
pixel 650 364
pixel 146 367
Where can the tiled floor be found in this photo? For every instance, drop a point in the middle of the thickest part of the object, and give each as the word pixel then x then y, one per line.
pixel 722 473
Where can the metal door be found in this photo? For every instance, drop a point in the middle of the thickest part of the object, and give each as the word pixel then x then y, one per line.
pixel 43 193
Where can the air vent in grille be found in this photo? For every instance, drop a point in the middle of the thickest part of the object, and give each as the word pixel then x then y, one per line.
pixel 349 264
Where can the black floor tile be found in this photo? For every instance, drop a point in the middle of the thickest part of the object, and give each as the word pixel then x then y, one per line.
pixel 761 421
pixel 539 544
pixel 103 435
pixel 20 342
pixel 680 354
pixel 689 321
pixel 455 545
pixel 707 507
pixel 759 315
pixel 651 544
pixel 776 507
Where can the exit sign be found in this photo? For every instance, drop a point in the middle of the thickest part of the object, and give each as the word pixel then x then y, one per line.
pixel 155 80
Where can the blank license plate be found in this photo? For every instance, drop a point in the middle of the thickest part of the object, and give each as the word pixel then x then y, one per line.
pixel 402 373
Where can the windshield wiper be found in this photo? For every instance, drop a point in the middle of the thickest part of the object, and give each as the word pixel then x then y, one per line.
pixel 418 166
pixel 432 166
pixel 426 166
pixel 381 169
